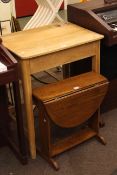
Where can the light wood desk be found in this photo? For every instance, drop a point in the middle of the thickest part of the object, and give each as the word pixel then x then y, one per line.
pixel 47 47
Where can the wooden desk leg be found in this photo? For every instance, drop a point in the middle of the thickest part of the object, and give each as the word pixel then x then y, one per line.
pixel 5 129
pixel 96 68
pixel 4 118
pixel 27 90
pixel 19 120
pixel 96 58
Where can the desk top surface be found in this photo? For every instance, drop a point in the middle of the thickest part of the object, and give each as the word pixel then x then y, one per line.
pixel 48 39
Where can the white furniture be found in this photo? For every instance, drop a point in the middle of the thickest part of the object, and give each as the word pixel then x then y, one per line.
pixel 45 14
pixel 6 11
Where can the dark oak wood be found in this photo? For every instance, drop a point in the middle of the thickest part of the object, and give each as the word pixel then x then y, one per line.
pixel 11 76
pixel 70 103
pixel 85 15
pixel 0 40
pixel 110 1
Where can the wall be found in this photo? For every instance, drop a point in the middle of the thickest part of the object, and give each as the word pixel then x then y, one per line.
pixel 25 7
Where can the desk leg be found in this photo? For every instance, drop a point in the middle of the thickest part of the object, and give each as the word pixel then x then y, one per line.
pixel 4 116
pixel 96 58
pixel 20 125
pixel 96 68
pixel 27 90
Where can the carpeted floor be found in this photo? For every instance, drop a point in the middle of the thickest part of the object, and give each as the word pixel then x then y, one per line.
pixel 89 158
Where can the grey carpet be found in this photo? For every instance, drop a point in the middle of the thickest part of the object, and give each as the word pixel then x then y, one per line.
pixel 89 158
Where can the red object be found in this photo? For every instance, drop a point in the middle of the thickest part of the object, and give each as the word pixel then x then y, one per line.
pixel 62 6
pixel 25 8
